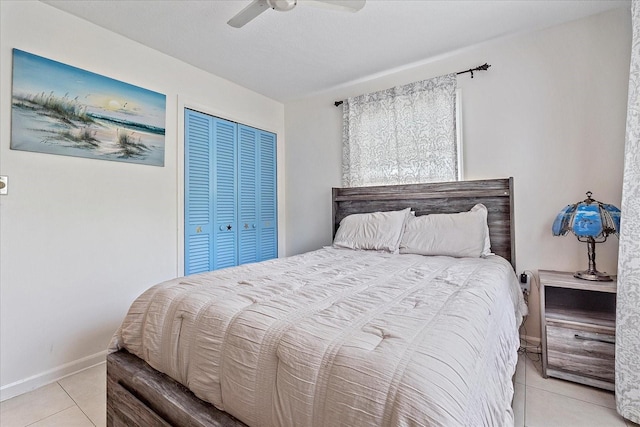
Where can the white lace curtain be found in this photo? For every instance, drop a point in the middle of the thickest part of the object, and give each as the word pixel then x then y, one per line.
pixel 628 298
pixel 402 135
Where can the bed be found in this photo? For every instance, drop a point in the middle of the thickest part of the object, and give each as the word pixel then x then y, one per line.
pixel 335 336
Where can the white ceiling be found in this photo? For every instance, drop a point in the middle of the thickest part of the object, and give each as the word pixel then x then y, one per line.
pixel 289 55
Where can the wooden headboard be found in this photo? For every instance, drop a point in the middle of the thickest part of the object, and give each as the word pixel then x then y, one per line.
pixel 441 197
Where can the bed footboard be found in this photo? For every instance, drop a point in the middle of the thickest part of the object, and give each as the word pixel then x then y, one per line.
pixel 138 395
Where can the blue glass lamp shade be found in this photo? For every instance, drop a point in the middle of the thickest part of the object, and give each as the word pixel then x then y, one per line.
pixel 591 221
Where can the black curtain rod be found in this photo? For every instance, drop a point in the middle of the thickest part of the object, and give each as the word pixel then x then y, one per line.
pixel 483 67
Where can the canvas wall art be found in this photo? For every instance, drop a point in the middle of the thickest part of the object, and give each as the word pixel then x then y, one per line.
pixel 60 109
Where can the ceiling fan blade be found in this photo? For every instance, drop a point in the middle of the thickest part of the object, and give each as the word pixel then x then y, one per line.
pixel 344 5
pixel 255 8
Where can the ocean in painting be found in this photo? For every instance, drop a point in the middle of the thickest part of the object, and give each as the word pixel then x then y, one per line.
pixel 59 109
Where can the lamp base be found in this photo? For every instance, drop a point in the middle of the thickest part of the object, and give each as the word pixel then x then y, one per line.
pixel 593 275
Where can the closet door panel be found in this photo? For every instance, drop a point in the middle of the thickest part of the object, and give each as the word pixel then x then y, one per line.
pixel 225 194
pixel 248 195
pixel 198 193
pixel 267 181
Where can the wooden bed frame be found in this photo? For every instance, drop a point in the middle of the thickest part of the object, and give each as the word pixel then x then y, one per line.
pixel 138 395
pixel 442 197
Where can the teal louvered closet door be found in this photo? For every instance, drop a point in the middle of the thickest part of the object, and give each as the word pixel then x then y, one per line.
pixel 198 219
pixel 258 196
pixel 268 237
pixel 225 202
pixel 248 195
pixel 230 193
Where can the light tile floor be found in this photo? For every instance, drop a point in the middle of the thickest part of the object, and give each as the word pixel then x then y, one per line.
pixel 75 401
pixel 550 402
pixel 79 401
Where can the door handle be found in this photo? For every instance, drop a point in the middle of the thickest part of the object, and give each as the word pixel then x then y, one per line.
pixel 605 339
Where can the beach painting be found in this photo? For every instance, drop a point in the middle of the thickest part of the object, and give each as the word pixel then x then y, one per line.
pixel 60 109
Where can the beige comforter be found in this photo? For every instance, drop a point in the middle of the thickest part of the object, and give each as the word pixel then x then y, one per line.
pixel 338 337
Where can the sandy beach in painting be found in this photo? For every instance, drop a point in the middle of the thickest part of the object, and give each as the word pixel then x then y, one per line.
pixel 40 129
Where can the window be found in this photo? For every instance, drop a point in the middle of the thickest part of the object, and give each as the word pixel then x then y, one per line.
pixel 403 135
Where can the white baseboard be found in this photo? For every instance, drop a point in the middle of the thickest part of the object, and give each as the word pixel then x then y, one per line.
pixel 27 384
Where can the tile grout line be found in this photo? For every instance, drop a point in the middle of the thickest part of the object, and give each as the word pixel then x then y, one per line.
pixel 555 392
pixel 76 404
pixel 55 413
pixel 51 415
pixel 572 397
pixel 48 416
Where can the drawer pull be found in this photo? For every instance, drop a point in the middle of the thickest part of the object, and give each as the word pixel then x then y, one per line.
pixel 598 339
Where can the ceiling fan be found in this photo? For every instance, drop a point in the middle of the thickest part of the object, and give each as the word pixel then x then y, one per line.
pixel 256 7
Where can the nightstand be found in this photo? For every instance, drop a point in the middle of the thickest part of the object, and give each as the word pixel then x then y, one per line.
pixel 578 328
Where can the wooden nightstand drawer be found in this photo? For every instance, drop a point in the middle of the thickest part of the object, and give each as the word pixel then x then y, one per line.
pixel 578 325
pixel 584 351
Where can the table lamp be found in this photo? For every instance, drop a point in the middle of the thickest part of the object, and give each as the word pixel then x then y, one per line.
pixel 591 221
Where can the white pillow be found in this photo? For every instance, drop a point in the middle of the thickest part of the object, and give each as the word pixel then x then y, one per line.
pixel 460 235
pixel 380 231
pixel 487 241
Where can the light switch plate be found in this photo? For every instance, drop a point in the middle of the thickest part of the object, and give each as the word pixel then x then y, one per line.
pixel 4 184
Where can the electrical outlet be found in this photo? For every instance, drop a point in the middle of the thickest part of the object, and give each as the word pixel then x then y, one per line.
pixel 525 282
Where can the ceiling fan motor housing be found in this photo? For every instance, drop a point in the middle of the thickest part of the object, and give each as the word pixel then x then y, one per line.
pixel 282 5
